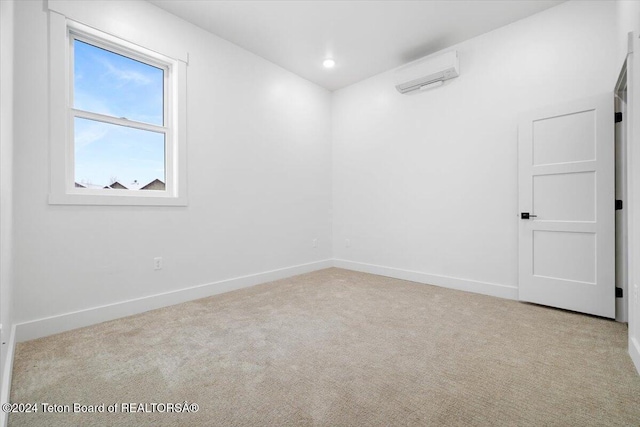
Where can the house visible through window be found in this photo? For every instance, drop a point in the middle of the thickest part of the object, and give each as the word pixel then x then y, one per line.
pixel 119 118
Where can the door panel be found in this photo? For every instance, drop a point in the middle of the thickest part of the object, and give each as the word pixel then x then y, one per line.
pixel 566 182
pixel 565 255
pixel 567 138
pixel 565 197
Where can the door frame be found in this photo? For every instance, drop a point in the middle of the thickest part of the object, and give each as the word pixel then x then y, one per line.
pixel 621 191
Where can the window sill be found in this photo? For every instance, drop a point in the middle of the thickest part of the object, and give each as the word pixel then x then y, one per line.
pixel 115 200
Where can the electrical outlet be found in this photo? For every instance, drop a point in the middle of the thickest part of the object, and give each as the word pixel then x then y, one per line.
pixel 347 243
pixel 315 243
pixel 157 263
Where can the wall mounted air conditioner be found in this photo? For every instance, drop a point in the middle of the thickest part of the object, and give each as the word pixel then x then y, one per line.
pixel 427 72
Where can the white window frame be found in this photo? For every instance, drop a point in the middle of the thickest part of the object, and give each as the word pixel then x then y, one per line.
pixel 63 32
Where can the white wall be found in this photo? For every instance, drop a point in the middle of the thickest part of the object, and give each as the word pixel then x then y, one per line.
pixel 426 184
pixel 6 171
pixel 259 176
pixel 628 19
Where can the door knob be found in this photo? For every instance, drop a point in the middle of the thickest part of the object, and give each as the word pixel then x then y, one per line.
pixel 527 215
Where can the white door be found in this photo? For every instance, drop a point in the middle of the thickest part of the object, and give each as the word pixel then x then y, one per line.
pixel 566 185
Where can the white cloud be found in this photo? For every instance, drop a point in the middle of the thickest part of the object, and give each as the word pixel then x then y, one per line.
pixel 90 133
pixel 124 75
pixel 88 102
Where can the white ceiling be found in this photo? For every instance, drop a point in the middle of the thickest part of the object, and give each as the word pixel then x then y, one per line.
pixel 364 37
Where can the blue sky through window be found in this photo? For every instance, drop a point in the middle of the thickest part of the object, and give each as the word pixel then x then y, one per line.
pixel 105 153
pixel 114 85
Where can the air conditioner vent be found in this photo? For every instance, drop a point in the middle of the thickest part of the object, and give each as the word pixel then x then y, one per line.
pixel 426 71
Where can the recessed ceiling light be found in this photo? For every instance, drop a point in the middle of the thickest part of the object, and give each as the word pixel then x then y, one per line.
pixel 329 63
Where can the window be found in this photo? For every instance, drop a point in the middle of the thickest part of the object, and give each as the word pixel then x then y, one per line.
pixel 122 138
pixel 119 127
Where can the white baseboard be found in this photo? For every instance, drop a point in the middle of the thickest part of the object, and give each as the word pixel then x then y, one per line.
pixel 5 387
pixel 485 288
pixel 77 319
pixel 634 352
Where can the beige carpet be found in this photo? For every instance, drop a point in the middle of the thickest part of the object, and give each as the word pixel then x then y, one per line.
pixel 339 348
